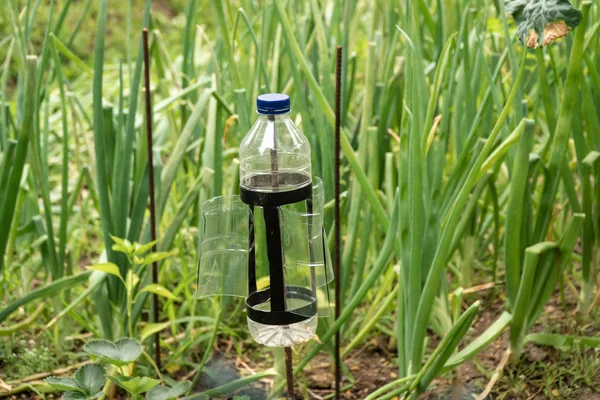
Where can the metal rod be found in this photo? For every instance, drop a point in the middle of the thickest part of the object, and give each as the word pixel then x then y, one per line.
pixel 289 373
pixel 273 151
pixel 338 227
pixel 151 187
pixel 272 224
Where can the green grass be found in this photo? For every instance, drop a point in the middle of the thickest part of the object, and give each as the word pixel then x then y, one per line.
pixel 23 355
pixel 571 375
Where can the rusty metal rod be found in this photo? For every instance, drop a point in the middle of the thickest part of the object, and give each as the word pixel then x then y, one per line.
pixel 289 372
pixel 338 227
pixel 148 97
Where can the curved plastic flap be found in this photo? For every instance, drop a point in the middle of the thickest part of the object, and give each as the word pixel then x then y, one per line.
pixel 307 263
pixel 223 265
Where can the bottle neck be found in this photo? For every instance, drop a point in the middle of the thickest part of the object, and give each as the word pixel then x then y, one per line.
pixel 273 117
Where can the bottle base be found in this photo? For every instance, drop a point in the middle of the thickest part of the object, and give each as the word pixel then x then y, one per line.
pixel 283 335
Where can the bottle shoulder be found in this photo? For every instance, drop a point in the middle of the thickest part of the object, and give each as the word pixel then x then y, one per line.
pixel 279 134
pixel 274 156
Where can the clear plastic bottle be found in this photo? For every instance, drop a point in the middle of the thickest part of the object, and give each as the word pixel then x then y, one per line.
pixel 275 158
pixel 274 155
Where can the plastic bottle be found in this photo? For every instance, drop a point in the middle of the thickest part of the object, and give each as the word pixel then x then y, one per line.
pixel 275 163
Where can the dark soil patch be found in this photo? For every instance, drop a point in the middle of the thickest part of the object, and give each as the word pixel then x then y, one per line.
pixel 222 370
pixel 371 368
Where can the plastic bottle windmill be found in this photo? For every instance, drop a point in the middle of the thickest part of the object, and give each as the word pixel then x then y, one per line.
pixel 268 244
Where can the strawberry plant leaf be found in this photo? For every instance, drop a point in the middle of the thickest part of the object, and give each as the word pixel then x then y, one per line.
pixel 159 393
pixel 165 393
pixel 74 396
pixel 66 384
pixel 134 385
pixel 122 352
pixel 90 378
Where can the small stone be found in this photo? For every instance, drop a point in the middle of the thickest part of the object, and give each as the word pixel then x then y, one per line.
pixel 537 354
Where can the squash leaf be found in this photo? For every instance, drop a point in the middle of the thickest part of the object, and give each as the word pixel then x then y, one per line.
pixel 540 22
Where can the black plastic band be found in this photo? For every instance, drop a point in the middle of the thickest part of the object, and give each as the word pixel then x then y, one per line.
pixel 275 256
pixel 251 253
pixel 282 317
pixel 275 199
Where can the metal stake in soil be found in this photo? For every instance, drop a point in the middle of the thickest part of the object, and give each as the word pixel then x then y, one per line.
pixel 273 261
pixel 151 188
pixel 338 227
pixel 289 372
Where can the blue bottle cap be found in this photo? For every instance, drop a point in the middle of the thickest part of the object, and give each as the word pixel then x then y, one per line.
pixel 273 103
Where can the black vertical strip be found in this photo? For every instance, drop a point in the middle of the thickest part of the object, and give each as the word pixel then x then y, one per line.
pixel 289 372
pixel 251 254
pixel 338 227
pixel 151 189
pixel 275 255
